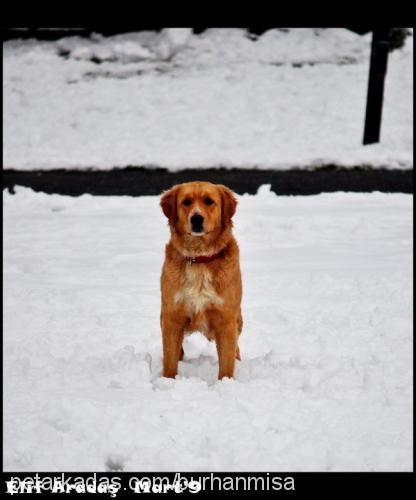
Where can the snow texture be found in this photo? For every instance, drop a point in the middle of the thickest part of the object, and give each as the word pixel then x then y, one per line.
pixel 291 98
pixel 325 381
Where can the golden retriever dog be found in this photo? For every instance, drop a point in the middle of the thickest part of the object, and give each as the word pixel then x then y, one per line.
pixel 201 280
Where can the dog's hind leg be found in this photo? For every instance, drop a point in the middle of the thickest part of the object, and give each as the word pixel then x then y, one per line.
pixel 239 328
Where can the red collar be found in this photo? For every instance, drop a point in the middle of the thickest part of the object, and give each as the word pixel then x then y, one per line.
pixel 202 258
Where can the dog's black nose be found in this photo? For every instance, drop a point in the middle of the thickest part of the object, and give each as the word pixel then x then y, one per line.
pixel 197 221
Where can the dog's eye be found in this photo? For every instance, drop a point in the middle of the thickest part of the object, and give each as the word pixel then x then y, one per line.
pixel 208 201
pixel 187 202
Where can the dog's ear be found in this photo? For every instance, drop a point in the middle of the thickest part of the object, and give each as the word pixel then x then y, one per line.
pixel 229 204
pixel 168 203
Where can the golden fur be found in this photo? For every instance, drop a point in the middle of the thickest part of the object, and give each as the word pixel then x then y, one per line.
pixel 203 296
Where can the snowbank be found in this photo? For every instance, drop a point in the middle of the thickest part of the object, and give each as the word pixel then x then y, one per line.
pixel 325 381
pixel 291 98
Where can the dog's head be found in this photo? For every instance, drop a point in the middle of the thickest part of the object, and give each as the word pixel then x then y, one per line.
pixel 198 209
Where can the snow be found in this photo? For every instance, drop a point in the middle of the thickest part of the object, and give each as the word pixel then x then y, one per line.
pixel 291 98
pixel 325 381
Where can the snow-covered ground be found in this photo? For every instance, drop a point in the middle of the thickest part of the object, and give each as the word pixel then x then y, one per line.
pixel 325 381
pixel 291 98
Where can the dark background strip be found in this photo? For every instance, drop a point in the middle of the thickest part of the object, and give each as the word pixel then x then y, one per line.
pixel 135 181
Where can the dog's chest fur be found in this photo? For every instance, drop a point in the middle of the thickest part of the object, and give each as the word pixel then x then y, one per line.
pixel 197 291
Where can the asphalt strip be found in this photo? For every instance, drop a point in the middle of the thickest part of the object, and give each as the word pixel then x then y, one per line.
pixel 139 181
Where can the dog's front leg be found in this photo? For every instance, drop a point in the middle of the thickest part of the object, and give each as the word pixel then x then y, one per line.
pixel 226 335
pixel 172 336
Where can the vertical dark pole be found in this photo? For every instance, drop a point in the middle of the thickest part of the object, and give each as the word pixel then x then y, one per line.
pixel 378 68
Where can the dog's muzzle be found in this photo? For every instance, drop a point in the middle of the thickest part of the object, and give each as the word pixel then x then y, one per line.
pixel 197 224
